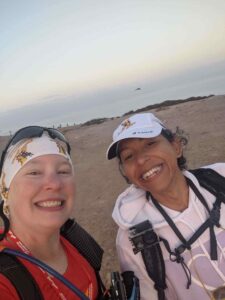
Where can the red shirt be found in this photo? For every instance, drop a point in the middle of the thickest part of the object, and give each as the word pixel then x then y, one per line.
pixel 79 272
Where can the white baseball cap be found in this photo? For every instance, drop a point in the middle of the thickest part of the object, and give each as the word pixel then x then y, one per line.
pixel 143 125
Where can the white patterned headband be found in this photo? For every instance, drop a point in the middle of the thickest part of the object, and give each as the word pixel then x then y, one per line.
pixel 24 151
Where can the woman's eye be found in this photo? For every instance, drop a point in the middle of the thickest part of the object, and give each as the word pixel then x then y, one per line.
pixel 127 157
pixel 150 143
pixel 64 171
pixel 34 173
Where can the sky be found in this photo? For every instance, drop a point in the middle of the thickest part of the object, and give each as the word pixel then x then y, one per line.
pixel 88 57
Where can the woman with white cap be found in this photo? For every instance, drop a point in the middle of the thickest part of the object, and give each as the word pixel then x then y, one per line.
pixel 170 228
pixel 38 190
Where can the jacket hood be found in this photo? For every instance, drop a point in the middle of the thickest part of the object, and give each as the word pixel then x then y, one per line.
pixel 132 207
pixel 128 205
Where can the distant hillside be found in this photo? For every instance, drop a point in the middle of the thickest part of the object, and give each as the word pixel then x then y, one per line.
pixel 166 103
pixel 146 108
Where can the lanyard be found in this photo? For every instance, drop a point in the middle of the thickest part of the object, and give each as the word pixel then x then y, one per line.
pixel 48 272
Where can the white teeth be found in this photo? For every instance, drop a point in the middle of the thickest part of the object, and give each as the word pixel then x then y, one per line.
pixel 50 203
pixel 151 172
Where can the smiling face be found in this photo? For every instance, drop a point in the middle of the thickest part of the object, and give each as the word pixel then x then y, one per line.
pixel 41 195
pixel 150 164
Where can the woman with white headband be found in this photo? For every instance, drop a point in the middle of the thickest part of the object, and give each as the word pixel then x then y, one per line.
pixel 171 220
pixel 38 190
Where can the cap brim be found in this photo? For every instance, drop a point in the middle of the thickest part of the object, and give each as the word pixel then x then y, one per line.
pixel 111 152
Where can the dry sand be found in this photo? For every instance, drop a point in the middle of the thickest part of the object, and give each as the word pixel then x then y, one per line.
pixel 98 180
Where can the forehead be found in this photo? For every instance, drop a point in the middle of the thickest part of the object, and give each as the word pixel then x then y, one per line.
pixel 129 143
pixel 48 159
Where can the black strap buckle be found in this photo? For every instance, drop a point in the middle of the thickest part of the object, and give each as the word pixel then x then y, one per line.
pixel 143 236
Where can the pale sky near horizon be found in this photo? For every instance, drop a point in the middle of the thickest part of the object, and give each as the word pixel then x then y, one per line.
pixel 51 49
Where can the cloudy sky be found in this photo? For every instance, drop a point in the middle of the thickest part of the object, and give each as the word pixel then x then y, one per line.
pixel 55 50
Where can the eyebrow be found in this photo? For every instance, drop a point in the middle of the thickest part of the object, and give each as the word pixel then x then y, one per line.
pixel 124 148
pixel 36 162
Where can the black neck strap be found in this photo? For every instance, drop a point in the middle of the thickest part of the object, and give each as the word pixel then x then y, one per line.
pixel 210 222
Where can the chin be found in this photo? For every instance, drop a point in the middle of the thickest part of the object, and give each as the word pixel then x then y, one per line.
pixel 54 225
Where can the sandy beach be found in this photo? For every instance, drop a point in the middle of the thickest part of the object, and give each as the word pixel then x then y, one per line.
pixel 98 180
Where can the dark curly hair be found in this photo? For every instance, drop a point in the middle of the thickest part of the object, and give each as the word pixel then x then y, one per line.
pixel 170 136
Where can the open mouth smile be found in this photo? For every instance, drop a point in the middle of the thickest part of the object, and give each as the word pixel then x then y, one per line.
pixel 152 172
pixel 50 203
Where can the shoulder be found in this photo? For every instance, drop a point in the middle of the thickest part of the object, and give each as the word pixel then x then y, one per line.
pixel 218 167
pixel 71 250
pixel 73 254
pixel 207 182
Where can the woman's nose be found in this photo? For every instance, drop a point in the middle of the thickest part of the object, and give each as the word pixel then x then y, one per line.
pixel 53 181
pixel 142 157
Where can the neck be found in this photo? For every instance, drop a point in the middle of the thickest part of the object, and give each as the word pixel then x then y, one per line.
pixel 45 247
pixel 176 197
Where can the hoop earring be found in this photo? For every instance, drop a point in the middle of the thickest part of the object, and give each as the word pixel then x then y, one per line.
pixel 5 209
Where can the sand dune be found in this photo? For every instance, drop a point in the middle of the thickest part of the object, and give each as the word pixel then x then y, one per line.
pixel 98 180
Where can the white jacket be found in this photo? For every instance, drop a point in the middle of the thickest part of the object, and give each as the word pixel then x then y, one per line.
pixel 132 208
